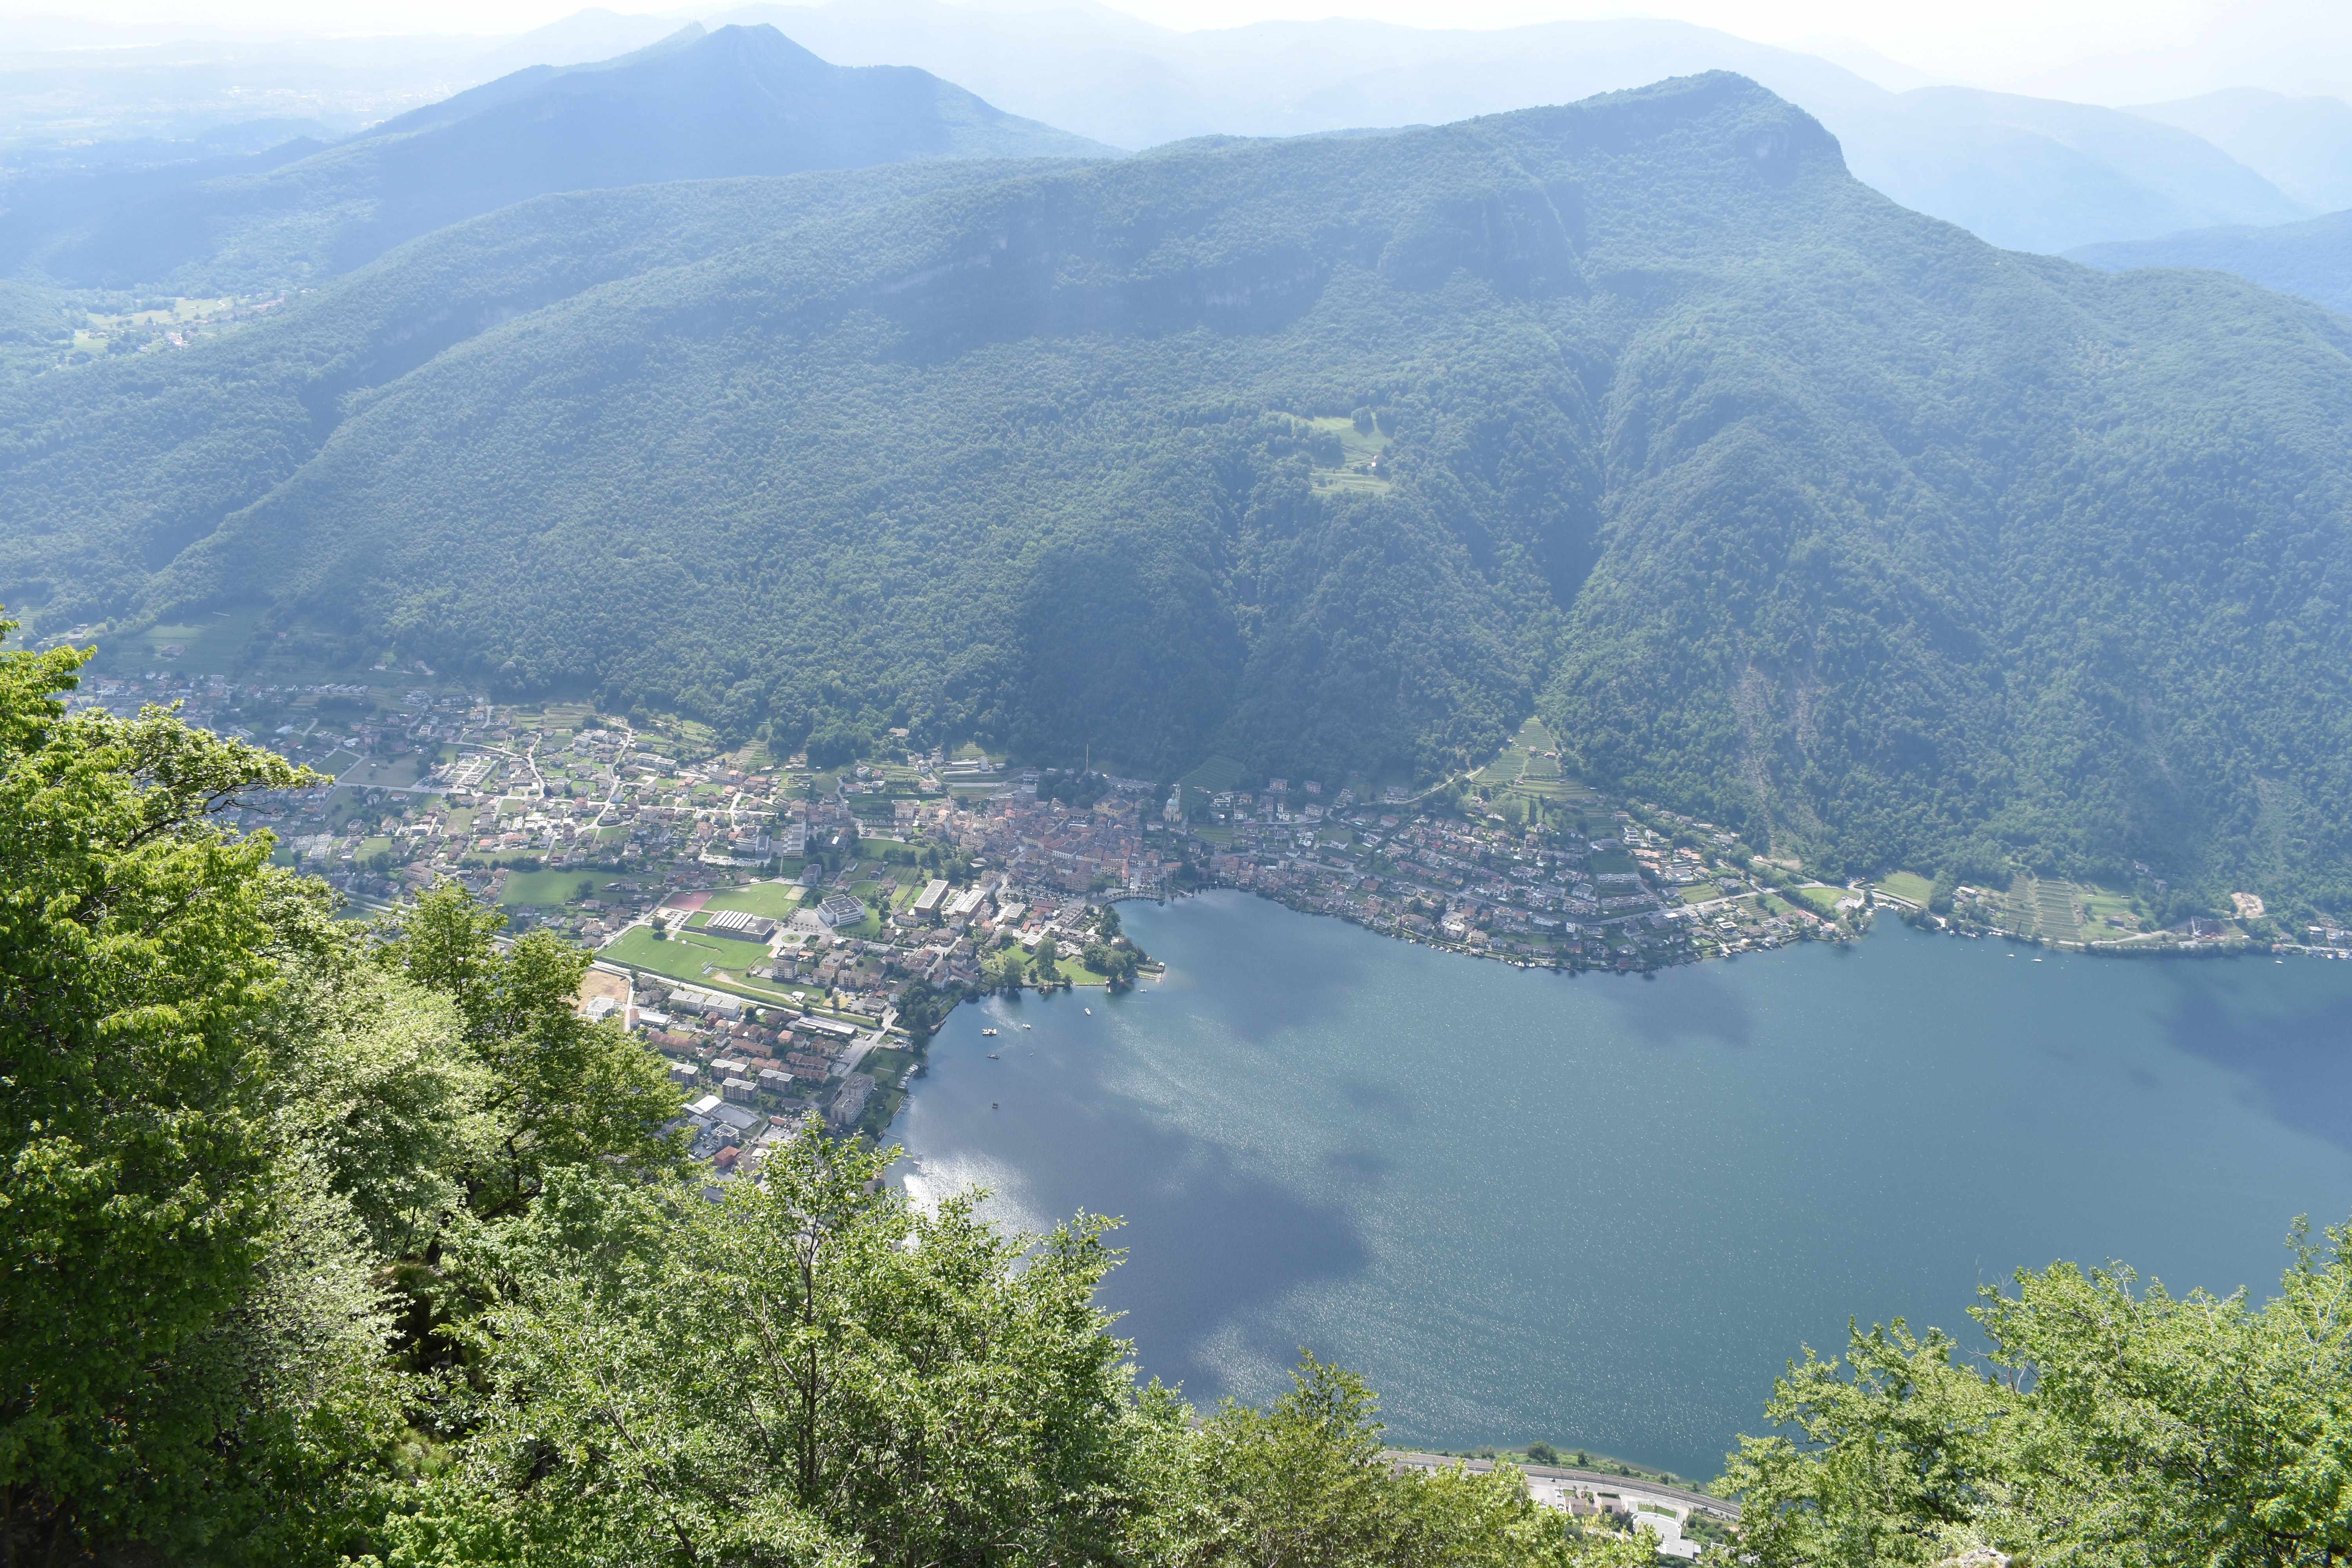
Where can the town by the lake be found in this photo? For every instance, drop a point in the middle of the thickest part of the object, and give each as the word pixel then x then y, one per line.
pixel 787 930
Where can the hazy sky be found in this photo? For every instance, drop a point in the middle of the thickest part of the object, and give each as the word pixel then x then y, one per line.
pixel 1995 42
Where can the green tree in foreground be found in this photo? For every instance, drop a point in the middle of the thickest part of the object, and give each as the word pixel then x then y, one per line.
pixel 806 1371
pixel 333 1244
pixel 330 1243
pixel 2112 1423
pixel 237 1129
pixel 1302 1484
pixel 187 1336
pixel 564 1091
pixel 810 1370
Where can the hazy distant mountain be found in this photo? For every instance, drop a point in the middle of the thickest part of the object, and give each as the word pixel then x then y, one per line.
pixel 742 100
pixel 2021 171
pixel 2037 175
pixel 2302 145
pixel 178 91
pixel 2293 46
pixel 2031 173
pixel 68 83
pixel 1867 63
pixel 1784 504
pixel 2312 258
pixel 241 138
pixel 583 37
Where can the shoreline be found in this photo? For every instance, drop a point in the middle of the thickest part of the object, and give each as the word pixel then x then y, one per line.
pixel 1911 915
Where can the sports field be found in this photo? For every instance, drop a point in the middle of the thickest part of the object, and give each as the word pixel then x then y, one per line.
pixel 688 957
pixel 776 900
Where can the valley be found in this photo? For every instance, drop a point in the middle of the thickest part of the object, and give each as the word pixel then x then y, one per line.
pixel 866 901
pixel 678 696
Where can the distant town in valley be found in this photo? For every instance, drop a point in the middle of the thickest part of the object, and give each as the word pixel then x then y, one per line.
pixel 788 935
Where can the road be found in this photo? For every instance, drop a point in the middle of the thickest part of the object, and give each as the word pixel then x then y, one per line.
pixel 1596 1481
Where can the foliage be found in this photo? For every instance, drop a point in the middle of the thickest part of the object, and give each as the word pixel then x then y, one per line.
pixel 1074 788
pixel 1115 961
pixel 1302 1484
pixel 837 743
pixel 808 1371
pixel 2113 1423
pixel 923 1007
pixel 2306 258
pixel 564 1091
pixel 1005 970
pixel 229 1113
pixel 188 1354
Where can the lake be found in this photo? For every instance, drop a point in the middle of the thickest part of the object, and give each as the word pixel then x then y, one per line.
pixel 1603 1211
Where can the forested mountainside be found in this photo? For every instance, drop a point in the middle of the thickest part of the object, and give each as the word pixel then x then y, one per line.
pixel 740 100
pixel 1782 503
pixel 2312 258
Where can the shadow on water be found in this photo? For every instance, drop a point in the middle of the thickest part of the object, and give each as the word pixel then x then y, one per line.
pixel 1364 1165
pixel 1210 1244
pixel 1261 991
pixel 1699 1002
pixel 1526 1205
pixel 1380 1099
pixel 2300 1063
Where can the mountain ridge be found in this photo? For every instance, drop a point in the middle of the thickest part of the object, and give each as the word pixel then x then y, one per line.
pixel 2028 174
pixel 733 102
pixel 2302 145
pixel 2312 259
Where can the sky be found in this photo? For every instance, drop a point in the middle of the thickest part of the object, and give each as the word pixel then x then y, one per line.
pixel 2096 47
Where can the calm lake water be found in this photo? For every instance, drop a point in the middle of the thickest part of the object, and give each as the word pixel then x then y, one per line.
pixel 1603 1211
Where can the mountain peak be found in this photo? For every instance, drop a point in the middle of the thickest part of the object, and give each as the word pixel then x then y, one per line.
pixel 739 100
